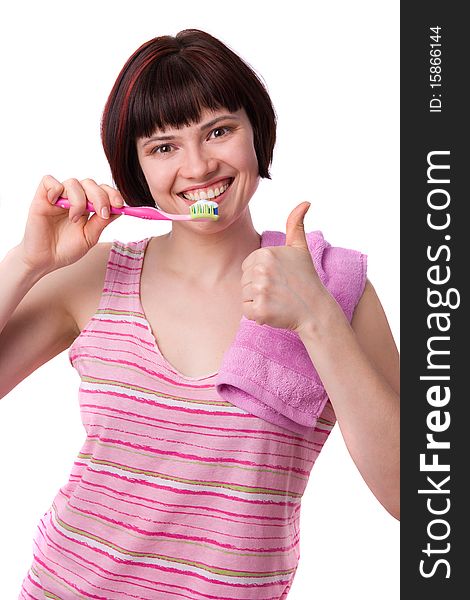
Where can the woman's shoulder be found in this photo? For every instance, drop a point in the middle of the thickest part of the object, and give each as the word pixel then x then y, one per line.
pixel 81 283
pixel 88 273
pixel 88 268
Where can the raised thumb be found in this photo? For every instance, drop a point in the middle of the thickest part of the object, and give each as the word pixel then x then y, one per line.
pixel 295 232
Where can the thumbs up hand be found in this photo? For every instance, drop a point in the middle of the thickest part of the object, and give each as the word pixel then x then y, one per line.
pixel 280 285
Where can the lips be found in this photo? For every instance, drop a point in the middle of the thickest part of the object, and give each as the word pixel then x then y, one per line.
pixel 217 199
pixel 205 186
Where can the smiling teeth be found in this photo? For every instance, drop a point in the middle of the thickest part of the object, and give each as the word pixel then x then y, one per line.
pixel 205 194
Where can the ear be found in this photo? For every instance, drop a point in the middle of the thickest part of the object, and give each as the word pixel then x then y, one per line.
pixel 295 232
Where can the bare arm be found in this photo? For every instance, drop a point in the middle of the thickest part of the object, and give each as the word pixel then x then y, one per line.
pixel 35 325
pixel 39 275
pixel 357 363
pixel 359 367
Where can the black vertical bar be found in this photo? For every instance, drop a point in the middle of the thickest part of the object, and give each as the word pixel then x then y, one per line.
pixel 435 269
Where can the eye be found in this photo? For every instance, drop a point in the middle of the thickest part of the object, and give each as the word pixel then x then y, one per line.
pixel 163 149
pixel 220 131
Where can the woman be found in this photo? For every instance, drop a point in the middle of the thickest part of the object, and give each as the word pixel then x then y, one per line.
pixel 176 492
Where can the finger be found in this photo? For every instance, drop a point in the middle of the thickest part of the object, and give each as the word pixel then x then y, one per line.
pixel 98 197
pixel 94 227
pixel 256 283
pixel 257 256
pixel 249 261
pixel 248 309
pixel 295 231
pixel 114 195
pixel 49 189
pixel 251 311
pixel 247 277
pixel 77 198
pixel 247 293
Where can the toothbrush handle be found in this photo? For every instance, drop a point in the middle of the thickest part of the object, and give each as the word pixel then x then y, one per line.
pixel 134 211
pixel 143 212
pixel 65 203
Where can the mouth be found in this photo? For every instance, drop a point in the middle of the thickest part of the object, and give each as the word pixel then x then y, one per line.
pixel 214 193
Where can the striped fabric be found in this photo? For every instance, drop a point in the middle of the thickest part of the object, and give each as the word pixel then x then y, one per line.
pixel 175 494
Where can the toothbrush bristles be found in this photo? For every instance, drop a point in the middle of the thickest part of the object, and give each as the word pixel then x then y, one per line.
pixel 204 209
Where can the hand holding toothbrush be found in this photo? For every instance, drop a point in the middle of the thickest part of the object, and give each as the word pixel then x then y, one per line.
pixel 56 238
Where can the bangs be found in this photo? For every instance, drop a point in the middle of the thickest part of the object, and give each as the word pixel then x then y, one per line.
pixel 174 93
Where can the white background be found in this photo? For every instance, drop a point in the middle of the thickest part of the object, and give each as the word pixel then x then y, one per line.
pixel 332 70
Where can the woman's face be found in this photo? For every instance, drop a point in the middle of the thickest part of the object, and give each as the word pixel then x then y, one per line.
pixel 184 165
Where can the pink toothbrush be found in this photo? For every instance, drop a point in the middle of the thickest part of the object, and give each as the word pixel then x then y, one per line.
pixel 203 210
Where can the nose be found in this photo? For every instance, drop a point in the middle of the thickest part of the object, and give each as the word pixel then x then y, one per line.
pixel 197 162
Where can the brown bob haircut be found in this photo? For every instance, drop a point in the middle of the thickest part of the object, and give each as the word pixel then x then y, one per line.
pixel 168 82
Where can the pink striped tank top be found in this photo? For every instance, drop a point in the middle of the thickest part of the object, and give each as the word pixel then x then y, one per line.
pixel 175 493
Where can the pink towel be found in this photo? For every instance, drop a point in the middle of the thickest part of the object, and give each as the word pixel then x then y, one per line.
pixel 267 371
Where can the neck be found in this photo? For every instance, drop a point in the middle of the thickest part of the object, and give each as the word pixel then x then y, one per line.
pixel 210 259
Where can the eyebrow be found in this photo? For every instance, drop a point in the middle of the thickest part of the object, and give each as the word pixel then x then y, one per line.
pixel 207 125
